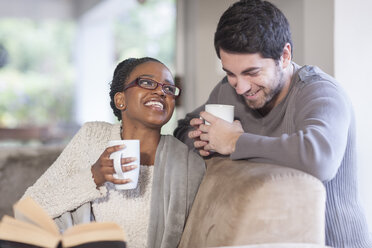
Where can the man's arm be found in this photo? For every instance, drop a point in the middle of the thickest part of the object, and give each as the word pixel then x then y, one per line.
pixel 316 144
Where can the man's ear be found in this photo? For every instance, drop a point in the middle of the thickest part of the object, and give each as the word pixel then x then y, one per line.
pixel 119 100
pixel 286 57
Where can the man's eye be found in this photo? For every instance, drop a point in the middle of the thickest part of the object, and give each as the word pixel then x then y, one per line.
pixel 229 74
pixel 253 73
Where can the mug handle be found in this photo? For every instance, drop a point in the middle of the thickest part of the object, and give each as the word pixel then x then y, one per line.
pixel 116 156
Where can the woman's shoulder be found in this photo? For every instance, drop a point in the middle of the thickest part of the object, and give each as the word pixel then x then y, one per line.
pixel 97 124
pixel 178 147
pixel 97 129
pixel 174 142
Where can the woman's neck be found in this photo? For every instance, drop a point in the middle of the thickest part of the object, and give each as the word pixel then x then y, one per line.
pixel 149 140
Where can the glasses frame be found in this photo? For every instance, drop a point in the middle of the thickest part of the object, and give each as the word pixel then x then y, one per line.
pixel 135 82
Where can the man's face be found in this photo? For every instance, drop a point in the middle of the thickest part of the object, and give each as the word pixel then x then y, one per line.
pixel 259 80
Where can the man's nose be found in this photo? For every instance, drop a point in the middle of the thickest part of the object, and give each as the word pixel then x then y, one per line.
pixel 242 86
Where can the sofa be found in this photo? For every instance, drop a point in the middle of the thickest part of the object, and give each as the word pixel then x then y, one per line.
pixel 242 203
pixel 20 167
pixel 239 204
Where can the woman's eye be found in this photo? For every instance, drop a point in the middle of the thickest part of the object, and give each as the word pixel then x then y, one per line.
pixel 169 88
pixel 147 83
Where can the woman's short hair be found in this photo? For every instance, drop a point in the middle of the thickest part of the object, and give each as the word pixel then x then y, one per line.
pixel 120 77
pixel 253 26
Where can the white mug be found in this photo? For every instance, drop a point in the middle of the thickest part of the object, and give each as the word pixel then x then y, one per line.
pixel 131 149
pixel 223 111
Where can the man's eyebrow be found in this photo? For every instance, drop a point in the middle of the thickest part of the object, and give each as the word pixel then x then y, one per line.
pixel 248 70
pixel 252 69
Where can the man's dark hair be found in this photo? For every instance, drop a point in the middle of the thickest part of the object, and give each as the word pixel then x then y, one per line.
pixel 120 77
pixel 253 26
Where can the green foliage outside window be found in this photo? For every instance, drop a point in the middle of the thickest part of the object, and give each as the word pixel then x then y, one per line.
pixel 36 83
pixel 37 73
pixel 147 30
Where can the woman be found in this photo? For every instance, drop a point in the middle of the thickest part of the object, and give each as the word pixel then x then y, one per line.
pixel 79 186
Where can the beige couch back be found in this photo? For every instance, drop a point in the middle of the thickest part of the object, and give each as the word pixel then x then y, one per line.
pixel 242 203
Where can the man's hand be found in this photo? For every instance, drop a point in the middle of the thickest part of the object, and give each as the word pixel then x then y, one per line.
pixel 220 136
pixel 195 135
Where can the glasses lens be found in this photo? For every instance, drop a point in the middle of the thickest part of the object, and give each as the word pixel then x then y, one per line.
pixel 147 83
pixel 151 85
pixel 171 90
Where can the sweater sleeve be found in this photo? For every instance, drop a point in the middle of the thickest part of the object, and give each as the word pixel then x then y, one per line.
pixel 321 121
pixel 68 182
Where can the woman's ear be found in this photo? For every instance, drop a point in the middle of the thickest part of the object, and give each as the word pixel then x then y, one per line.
pixel 119 99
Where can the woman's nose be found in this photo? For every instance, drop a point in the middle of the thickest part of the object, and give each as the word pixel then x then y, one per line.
pixel 159 90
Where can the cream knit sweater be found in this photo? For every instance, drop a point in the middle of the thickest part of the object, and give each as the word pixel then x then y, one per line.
pixel 129 208
pixel 68 183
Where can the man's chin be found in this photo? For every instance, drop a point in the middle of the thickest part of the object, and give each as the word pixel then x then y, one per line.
pixel 254 105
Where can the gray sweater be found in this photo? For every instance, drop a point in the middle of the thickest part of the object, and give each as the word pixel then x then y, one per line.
pixel 313 130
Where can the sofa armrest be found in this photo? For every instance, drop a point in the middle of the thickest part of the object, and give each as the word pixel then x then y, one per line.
pixel 241 203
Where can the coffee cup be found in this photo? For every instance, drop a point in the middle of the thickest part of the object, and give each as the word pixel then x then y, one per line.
pixel 131 149
pixel 223 111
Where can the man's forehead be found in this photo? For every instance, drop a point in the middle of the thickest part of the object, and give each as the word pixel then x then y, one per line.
pixel 243 61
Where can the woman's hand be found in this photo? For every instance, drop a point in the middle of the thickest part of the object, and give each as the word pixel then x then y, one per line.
pixel 103 169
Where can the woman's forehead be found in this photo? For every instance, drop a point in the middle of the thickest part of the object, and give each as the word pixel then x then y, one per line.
pixel 151 69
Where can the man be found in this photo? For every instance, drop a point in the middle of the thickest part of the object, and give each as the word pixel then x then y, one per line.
pixel 288 115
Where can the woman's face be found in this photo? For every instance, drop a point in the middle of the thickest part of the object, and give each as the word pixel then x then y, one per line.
pixel 152 108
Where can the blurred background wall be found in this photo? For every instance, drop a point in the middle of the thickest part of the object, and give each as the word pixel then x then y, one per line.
pixel 332 34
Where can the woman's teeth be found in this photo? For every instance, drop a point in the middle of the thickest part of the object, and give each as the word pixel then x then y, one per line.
pixel 155 103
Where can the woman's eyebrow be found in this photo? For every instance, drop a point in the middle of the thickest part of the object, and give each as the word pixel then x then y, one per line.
pixel 152 76
pixel 169 81
pixel 147 75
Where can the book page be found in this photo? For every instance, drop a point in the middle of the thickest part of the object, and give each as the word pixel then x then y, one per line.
pixel 18 231
pixel 92 232
pixel 30 211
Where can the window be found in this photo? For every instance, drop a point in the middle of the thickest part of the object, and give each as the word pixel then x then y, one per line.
pixel 38 72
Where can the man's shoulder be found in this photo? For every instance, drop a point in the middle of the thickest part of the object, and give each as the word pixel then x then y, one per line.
pixel 314 83
pixel 309 74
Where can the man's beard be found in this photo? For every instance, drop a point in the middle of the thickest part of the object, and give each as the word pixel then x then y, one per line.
pixel 267 102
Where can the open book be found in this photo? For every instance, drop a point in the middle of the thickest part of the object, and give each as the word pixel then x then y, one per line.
pixel 39 230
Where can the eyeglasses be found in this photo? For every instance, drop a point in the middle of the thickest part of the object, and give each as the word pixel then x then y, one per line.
pixel 150 84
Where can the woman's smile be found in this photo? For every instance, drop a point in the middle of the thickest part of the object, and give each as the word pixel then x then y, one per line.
pixel 155 105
